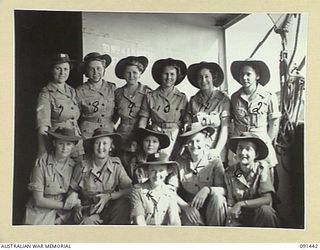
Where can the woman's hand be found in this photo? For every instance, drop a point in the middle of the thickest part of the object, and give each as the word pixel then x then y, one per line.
pixel 78 214
pixel 104 198
pixel 235 211
pixel 192 214
pixel 71 201
pixel 200 197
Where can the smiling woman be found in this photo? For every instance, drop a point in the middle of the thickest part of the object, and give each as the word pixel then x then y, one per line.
pixel 165 107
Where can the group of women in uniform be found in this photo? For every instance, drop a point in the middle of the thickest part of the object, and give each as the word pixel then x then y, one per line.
pixel 133 155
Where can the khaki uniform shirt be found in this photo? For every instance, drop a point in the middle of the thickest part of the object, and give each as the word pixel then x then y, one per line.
pixel 208 173
pixel 216 106
pixel 89 182
pixel 127 108
pixel 157 208
pixel 164 110
pixel 252 115
pixel 53 180
pixel 58 108
pixel 97 106
pixel 241 188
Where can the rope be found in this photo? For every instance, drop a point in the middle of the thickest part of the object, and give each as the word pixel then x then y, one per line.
pixel 262 42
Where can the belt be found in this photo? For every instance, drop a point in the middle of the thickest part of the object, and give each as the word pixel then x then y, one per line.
pixel 167 125
pixel 97 119
pixel 128 121
pixel 249 128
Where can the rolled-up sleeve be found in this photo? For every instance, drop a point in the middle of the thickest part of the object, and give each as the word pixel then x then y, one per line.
pixel 273 108
pixel 265 184
pixel 37 179
pixel 44 109
pixel 136 203
pixel 145 109
pixel 225 111
pixel 124 179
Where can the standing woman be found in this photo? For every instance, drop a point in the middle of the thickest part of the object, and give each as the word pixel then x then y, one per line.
pixel 209 105
pixel 96 96
pixel 57 103
pixel 166 105
pixel 253 108
pixel 50 180
pixel 128 100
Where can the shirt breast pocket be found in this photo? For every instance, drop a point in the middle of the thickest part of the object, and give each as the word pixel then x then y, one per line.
pixel 258 113
pixel 58 107
pixel 204 177
pixel 52 187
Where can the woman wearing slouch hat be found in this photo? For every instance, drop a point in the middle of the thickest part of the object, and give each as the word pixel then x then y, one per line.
pixel 253 108
pixel 57 103
pixel 165 107
pixel 128 101
pixel 49 182
pixel 209 105
pixel 96 96
pixel 249 187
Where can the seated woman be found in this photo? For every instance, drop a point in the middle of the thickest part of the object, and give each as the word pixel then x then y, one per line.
pixel 201 186
pixel 102 182
pixel 148 142
pixel 49 182
pixel 249 189
pixel 153 202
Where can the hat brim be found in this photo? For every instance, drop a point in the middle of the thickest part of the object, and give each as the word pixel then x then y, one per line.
pixel 158 66
pixel 192 73
pixel 147 164
pixel 261 66
pixel 141 133
pixel 64 137
pixel 105 57
pixel 262 148
pixel 123 63
pixel 210 129
pixel 117 138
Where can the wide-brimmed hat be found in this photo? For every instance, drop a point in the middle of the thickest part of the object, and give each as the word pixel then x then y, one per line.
pixel 158 159
pixel 193 70
pixel 61 58
pixel 94 56
pixel 124 62
pixel 260 66
pixel 66 134
pixel 142 133
pixel 103 132
pixel 262 148
pixel 158 66
pixel 196 127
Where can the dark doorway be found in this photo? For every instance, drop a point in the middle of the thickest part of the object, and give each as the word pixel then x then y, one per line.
pixel 38 34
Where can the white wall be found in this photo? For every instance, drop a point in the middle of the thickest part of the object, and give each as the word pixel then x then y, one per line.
pixel 243 37
pixel 189 37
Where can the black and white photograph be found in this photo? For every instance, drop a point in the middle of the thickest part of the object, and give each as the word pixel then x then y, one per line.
pixel 162 119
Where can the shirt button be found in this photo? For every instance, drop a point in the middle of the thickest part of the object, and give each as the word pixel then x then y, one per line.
pixel 102 115
pixel 71 108
pixel 60 186
pixel 100 125
pixel 102 104
pixel 89 103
